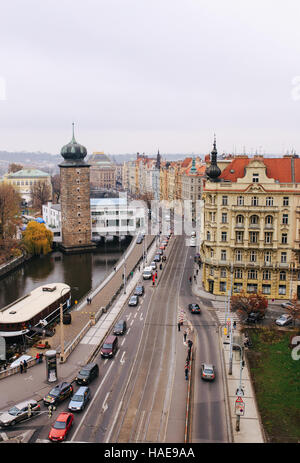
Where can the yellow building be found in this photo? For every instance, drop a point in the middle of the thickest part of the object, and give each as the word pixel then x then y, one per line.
pixel 23 181
pixel 251 228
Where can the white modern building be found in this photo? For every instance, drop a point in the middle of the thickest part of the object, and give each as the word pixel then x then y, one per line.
pixel 109 216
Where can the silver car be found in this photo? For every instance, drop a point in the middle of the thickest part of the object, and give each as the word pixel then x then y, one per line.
pixel 208 371
pixel 18 413
pixel 284 319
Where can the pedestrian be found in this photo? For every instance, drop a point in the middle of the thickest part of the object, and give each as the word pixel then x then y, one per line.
pixel 115 269
pixel 190 343
pixel 37 357
pixel 197 271
pixel 25 366
pixel 139 268
pixel 179 325
pixel 155 274
pixel 186 372
pixel 190 279
pixel 194 277
pixel 21 367
pixel 234 325
pixel 184 335
pixel 41 358
pixel 87 300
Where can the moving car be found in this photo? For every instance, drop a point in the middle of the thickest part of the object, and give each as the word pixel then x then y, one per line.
pixel 87 373
pixel 139 290
pixel 208 371
pixel 157 258
pixel 59 393
pixel 287 305
pixel 80 399
pixel 133 301
pixel 18 413
pixel 61 427
pixel 120 327
pixel 139 239
pixel 153 265
pixel 110 347
pixel 194 308
pixel 254 317
pixel 160 251
pixel 284 319
pixel 147 273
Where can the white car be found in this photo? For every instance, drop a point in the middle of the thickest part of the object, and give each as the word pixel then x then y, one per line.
pixel 284 319
pixel 153 265
pixel 287 305
pixel 19 412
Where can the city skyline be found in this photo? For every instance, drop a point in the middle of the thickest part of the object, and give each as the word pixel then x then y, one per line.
pixel 158 75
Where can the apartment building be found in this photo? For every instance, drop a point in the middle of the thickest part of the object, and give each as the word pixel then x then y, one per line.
pixel 252 227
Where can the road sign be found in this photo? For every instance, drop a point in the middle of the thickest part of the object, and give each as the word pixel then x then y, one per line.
pixel 239 407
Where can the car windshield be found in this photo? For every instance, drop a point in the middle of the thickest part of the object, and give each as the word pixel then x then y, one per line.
pixel 118 326
pixel 14 411
pixel 208 371
pixel 59 425
pixel 139 288
pixel 77 398
pixel 84 372
pixel 107 346
pixel 54 392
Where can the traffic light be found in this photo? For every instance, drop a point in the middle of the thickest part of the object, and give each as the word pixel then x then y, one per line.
pixel 29 410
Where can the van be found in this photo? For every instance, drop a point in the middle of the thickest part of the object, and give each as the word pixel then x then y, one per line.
pixel 79 399
pixel 147 273
pixel 87 373
pixel 109 347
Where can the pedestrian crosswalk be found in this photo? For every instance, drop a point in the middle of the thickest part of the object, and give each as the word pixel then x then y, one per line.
pixel 223 317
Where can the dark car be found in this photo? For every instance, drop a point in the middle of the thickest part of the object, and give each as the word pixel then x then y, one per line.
pixel 120 327
pixel 194 308
pixel 87 373
pixel 157 258
pixel 133 301
pixel 59 393
pixel 139 290
pixel 254 317
pixel 160 251
pixel 109 347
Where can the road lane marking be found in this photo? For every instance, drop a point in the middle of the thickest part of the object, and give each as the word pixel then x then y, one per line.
pixel 105 406
pixel 128 330
pixel 123 342
pixel 131 322
pixel 128 316
pixel 135 315
pixel 122 359
pixel 141 317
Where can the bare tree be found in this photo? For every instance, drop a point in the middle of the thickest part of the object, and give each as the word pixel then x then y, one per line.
pixel 244 303
pixel 9 219
pixel 40 194
pixel 13 167
pixel 55 181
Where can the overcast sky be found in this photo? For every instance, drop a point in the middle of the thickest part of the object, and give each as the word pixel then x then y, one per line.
pixel 142 75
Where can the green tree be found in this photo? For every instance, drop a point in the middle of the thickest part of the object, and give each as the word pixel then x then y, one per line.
pixel 37 239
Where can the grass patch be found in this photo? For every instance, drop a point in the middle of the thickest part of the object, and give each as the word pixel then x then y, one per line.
pixel 276 378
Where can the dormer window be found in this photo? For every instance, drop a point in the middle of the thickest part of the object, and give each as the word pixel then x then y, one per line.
pixel 255 178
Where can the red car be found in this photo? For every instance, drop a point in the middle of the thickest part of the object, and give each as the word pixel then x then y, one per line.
pixel 61 427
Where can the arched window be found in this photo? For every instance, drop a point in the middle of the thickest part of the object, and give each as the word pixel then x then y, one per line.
pixel 254 219
pixel 269 220
pixel 239 219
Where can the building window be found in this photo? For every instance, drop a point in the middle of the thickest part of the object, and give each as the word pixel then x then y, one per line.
pixel 239 237
pixel 239 219
pixel 240 200
pixel 266 289
pixel 252 288
pixel 268 237
pixel 252 274
pixel 267 256
pixel 208 236
pixel 253 256
pixel 282 290
pixel 211 253
pixel 223 286
pixel 266 275
pixel 254 219
pixel 238 255
pixel 282 276
pixel 253 237
pixel 285 201
pixel 269 201
pixel 224 236
pixel 238 273
pixel 211 271
pixel 269 220
pixel 237 287
pixel 254 201
pixel 284 238
pixel 224 217
pixel 223 254
pixel 223 273
pixel 285 219
pixel 283 257
pixel 224 200
pixel 255 178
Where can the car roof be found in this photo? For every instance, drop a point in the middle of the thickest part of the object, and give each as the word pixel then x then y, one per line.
pixel 208 365
pixel 89 366
pixel 63 416
pixel 24 403
pixel 81 390
pixel 109 339
pixel 62 385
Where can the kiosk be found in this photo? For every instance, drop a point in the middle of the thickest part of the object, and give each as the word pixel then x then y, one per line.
pixel 51 366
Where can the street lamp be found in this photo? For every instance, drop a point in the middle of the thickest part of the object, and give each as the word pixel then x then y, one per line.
pixel 62 339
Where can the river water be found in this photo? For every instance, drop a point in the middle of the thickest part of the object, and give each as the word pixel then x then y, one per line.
pixel 83 271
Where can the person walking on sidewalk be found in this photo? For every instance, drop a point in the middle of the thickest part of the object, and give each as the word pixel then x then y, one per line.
pixel 184 335
pixel 25 366
pixel 179 325
pixel 21 367
pixel 190 279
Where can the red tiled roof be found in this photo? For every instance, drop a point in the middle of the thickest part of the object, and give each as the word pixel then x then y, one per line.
pixel 278 168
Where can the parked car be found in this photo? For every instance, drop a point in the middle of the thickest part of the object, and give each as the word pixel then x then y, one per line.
pixel 254 317
pixel 19 413
pixel 160 251
pixel 139 290
pixel 61 427
pixel 208 371
pixel 157 258
pixel 87 373
pixel 284 319
pixel 139 239
pixel 194 308
pixel 80 399
pixel 133 301
pixel 153 265
pixel 287 305
pixel 162 247
pixel 120 327
pixel 59 393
